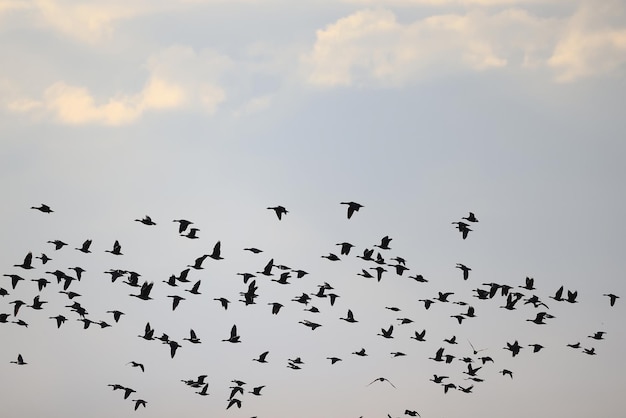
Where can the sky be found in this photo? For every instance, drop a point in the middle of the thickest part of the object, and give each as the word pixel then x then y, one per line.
pixel 211 111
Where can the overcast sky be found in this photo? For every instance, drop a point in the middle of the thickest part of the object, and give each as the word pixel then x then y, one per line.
pixel 213 111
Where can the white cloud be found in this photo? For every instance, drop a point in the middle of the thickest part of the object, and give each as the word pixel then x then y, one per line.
pixel 87 21
pixel 371 47
pixel 590 44
pixel 10 5
pixel 178 77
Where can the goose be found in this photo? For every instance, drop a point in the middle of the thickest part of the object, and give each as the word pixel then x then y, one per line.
pixel 192 337
pixel 182 224
pixel 203 391
pixel 262 357
pixel 349 317
pixel 135 364
pixel 382 379
pixel 139 402
pixel 352 207
pixel 234 338
pixel 43 208
pixel 612 298
pixel 146 220
pixel 280 211
pixel 117 249
pixel 85 247
pixel 26 264
pixel 20 360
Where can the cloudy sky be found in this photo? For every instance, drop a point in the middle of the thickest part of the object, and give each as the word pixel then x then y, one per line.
pixel 212 111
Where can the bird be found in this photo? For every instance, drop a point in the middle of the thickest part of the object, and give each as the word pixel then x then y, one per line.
pixel 116 314
pixel 257 390
pixel 58 244
pixel 20 360
pixel 349 317
pixel 215 255
pixel 345 247
pixel 275 307
pixel 470 218
pixel 203 391
pixel 599 335
pixel 280 211
pixel 144 293
pixel 41 283
pixel 139 402
pixel 192 234
pixel 26 264
pixel 361 352
pixel 382 379
pixel 173 347
pixel 386 333
pixel 146 220
pixel 463 228
pixel 223 301
pixel 234 401
pixel 192 337
pixel 197 265
pixel 333 360
pixel 420 336
pixel 612 298
pixel 43 208
pixel 60 319
pixel 253 250
pixel 234 338
pixel 85 247
pixel 513 348
pixel 465 270
pixel 182 224
pixel 194 289
pixel 438 379
pixel 412 413
pixel 117 248
pixel 44 258
pixel 384 243
pixel 529 284
pixel 536 347
pixel 148 332
pixel 135 364
pixel 262 357
pixel 352 207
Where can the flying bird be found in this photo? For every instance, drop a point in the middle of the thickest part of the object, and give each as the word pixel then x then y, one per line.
pixel 146 220
pixel 352 207
pixel 43 208
pixel 20 360
pixel 280 211
pixel 382 379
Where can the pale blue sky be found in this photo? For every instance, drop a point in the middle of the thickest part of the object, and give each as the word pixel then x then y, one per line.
pixel 212 111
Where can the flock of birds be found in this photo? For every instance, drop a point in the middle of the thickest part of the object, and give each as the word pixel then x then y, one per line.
pixel 376 266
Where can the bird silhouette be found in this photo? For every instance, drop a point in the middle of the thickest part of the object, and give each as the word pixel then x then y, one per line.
pixel 144 293
pixel 20 360
pixel 192 337
pixel 139 402
pixel 349 317
pixel 26 264
pixel 234 338
pixel 85 247
pixel 203 391
pixel 280 211
pixel 43 208
pixel 135 364
pixel 262 357
pixel 386 333
pixel 384 243
pixel 352 207
pixel 215 255
pixel 470 218
pixel 465 270
pixel 182 224
pixel 612 298
pixel 146 220
pixel 257 390
pixel 382 379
